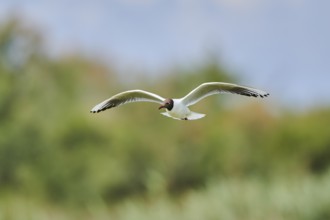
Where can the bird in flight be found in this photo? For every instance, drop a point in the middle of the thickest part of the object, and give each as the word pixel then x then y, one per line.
pixel 178 108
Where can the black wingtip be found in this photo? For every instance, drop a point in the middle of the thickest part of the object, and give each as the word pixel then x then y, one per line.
pixel 264 96
pixel 91 111
pixel 97 111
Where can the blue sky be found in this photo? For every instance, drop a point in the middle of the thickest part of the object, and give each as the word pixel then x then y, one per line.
pixel 280 45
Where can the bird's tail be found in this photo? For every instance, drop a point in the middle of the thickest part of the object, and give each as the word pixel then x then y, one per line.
pixel 195 115
pixel 192 116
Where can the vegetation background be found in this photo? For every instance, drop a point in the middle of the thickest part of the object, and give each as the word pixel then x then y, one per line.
pixel 247 159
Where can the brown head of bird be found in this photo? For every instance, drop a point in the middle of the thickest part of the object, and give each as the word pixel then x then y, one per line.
pixel 168 104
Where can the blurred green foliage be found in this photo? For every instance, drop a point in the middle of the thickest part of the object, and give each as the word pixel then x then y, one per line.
pixel 52 149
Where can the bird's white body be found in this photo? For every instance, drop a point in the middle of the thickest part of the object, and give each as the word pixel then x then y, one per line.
pixel 178 108
pixel 182 112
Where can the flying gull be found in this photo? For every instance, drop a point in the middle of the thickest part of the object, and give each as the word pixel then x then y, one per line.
pixel 178 108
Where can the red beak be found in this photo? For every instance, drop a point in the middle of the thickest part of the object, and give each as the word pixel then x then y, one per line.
pixel 160 107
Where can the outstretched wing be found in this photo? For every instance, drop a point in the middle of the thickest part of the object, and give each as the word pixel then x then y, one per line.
pixel 211 88
pixel 127 97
